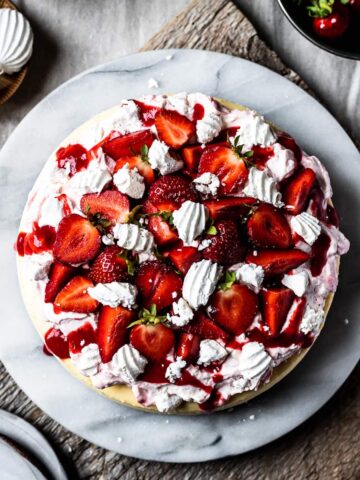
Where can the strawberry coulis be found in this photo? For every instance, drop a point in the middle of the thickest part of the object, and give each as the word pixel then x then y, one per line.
pixel 39 240
pixel 55 344
pixel 319 254
pixel 199 112
pixel 74 157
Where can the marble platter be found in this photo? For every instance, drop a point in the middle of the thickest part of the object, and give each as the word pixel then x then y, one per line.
pixel 160 437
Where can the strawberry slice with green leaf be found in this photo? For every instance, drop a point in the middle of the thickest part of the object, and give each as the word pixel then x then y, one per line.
pixel 268 227
pixel 110 205
pixel 160 224
pixel 275 305
pixel 128 145
pixel 140 162
pixel 59 275
pixel 173 128
pixel 277 262
pixel 183 257
pixel 297 192
pixel 75 298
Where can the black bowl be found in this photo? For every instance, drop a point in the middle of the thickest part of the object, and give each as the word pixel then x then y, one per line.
pixel 348 46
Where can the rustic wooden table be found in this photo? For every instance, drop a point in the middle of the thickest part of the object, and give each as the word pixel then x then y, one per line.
pixel 327 446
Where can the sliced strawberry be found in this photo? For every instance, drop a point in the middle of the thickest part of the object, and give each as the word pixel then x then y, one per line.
pixel 152 341
pixel 128 145
pixel 74 157
pixel 173 128
pixel 111 205
pixel 227 165
pixel 158 284
pixel 205 328
pixel 188 347
pixel 191 157
pixel 275 305
pixel 261 155
pixel 234 309
pixel 277 262
pixel 230 207
pixel 226 247
pixel 161 230
pixel 288 142
pixel 74 297
pixel 109 266
pixel 113 330
pixel 296 313
pixel 136 161
pixel 82 336
pixel 183 257
pixel 268 227
pixel 168 193
pixel 147 113
pixel 297 191
pixel 77 240
pixel 59 275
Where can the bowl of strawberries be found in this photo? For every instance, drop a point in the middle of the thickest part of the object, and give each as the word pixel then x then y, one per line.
pixel 333 25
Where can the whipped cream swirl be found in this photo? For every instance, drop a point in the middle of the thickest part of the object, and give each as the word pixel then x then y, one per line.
pixel 307 226
pixel 161 160
pixel 114 294
pixel 200 282
pixel 129 363
pixel 190 220
pixel 254 130
pixel 89 360
pixel 132 237
pixel 254 362
pixel 263 187
pixel 129 181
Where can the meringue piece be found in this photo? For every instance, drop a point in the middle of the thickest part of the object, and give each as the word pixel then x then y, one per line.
pixel 208 127
pixel 307 226
pixel 179 102
pixel 297 282
pixel 183 313
pixel 254 130
pixel 51 212
pixel 146 257
pixel 190 220
pixel 165 402
pixel 38 266
pixel 211 351
pixel 204 244
pixel 160 158
pixel 207 183
pixel 262 187
pixel 200 282
pixel 174 370
pixel 312 320
pixel 132 237
pixel 254 361
pixel 249 274
pixel 16 41
pixel 282 164
pixel 114 294
pixel 129 363
pixel 108 239
pixel 153 83
pixel 89 360
pixel 129 181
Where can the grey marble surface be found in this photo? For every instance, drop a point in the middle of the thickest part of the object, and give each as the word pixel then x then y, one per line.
pixel 159 437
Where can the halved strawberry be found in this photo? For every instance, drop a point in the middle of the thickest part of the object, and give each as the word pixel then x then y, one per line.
pixel 147 113
pixel 161 230
pixel 277 262
pixel 74 297
pixel 230 207
pixel 227 165
pixel 59 275
pixel 77 240
pixel 296 313
pixel 158 284
pixel 188 347
pixel 183 257
pixel 275 305
pixel 136 161
pixel 152 341
pixel 191 157
pixel 205 328
pixel 173 128
pixel 288 142
pixel 234 309
pixel 111 205
pixel 113 330
pixel 127 145
pixel 226 247
pixel 82 336
pixel 168 193
pixel 75 157
pixel 268 227
pixel 297 191
pixel 109 266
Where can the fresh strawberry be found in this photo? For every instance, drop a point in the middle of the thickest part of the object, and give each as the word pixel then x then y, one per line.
pixel 147 113
pixel 173 128
pixel 296 313
pixel 137 161
pixel 227 165
pixel 268 227
pixel 355 6
pixel 77 240
pixel 277 262
pixel 275 305
pixel 59 275
pixel 191 157
pixel 168 193
pixel 113 330
pixel 183 257
pixel 188 347
pixel 162 231
pixel 330 26
pixel 230 207
pixel 74 297
pixel 297 191
pixel 128 145
pixel 158 284
pixel 82 336
pixel 74 157
pixel 109 266
pixel 205 328
pixel 110 205
pixel 227 246
pixel 288 142
pixel 234 309
pixel 152 341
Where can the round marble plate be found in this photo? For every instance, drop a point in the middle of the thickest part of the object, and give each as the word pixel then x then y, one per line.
pixel 27 437
pixel 178 438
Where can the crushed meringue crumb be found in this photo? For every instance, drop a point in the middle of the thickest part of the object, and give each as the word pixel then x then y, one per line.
pixel 153 83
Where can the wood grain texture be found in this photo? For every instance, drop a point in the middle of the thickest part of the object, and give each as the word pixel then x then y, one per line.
pixel 328 445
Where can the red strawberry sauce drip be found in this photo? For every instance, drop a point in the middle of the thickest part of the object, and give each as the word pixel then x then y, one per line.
pixel 319 254
pixel 20 244
pixel 261 155
pixel 73 155
pixel 199 112
pixel 41 239
pixel 147 113
pixel 81 337
pixel 56 344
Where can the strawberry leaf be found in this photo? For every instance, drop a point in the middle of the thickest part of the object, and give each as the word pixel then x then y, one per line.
pixel 227 281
